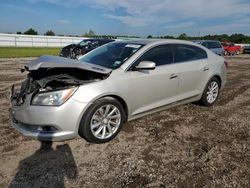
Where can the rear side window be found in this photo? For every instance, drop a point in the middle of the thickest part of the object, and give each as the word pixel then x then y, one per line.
pixel 183 52
pixel 212 45
pixel 216 45
pixel 161 55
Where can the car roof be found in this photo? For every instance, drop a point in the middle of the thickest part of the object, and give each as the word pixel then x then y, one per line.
pixel 206 41
pixel 151 41
pixel 97 39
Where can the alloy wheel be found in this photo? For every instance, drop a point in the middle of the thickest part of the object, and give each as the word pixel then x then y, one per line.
pixel 105 121
pixel 212 92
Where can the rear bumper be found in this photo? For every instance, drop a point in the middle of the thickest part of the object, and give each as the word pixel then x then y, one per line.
pixel 48 123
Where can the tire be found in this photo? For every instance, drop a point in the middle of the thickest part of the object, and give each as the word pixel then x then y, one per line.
pixel 208 97
pixel 102 121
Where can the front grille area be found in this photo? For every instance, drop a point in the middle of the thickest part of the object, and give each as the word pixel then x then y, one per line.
pixel 35 128
pixel 19 92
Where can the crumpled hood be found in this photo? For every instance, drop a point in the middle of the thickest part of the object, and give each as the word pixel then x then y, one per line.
pixel 61 62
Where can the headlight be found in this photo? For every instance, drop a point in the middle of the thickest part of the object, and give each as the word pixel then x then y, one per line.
pixel 55 98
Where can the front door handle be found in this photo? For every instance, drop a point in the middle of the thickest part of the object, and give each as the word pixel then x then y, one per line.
pixel 172 76
pixel 205 68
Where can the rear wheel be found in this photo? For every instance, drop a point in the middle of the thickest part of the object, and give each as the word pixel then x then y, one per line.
pixel 102 121
pixel 211 92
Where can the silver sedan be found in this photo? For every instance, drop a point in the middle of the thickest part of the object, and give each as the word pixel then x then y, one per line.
pixel 115 83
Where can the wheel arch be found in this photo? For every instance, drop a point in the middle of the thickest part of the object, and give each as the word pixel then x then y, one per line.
pixel 218 78
pixel 121 101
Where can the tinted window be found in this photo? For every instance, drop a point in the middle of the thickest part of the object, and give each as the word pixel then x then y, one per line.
pixel 205 44
pixel 188 53
pixel 161 55
pixel 212 45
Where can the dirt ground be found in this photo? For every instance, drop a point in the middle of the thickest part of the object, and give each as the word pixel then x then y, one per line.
pixel 187 146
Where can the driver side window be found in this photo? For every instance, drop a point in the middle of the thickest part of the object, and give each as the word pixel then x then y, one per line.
pixel 161 55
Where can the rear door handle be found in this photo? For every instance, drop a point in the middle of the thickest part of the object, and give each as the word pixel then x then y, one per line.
pixel 205 68
pixel 172 76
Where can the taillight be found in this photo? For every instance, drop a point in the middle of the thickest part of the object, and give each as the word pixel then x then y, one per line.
pixel 226 64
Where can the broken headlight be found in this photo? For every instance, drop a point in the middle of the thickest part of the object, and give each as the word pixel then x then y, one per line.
pixel 55 98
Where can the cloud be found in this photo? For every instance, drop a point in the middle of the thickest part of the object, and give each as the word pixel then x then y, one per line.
pixel 130 20
pixel 63 21
pixel 180 25
pixel 165 13
pixel 238 25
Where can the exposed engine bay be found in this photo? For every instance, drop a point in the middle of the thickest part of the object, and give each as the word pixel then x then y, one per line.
pixel 51 79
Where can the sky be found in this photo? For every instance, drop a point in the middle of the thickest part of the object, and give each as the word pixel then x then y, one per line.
pixel 127 17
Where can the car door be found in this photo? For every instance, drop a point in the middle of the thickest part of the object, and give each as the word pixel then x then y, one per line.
pixel 191 62
pixel 153 88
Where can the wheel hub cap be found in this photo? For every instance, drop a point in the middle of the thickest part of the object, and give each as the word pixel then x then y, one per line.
pixel 212 93
pixel 105 121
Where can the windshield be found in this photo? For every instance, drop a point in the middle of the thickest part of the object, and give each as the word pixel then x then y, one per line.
pixel 111 55
pixel 85 42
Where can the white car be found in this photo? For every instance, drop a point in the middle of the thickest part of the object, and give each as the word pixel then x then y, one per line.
pixel 115 83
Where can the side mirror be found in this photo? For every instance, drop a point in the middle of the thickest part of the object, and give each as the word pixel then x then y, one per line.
pixel 145 65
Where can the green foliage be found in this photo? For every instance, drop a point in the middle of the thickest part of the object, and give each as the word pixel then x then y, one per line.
pixel 90 33
pixel 30 31
pixel 235 38
pixel 49 33
pixel 27 51
pixel 183 36
pixel 167 37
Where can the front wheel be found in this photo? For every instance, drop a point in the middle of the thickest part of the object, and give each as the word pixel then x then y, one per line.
pixel 102 121
pixel 211 92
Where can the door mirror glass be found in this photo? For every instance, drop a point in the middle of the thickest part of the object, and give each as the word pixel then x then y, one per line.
pixel 145 65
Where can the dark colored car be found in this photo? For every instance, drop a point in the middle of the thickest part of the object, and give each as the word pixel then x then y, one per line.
pixel 246 49
pixel 73 51
pixel 212 45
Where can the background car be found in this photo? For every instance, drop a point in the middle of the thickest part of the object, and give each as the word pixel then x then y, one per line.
pixel 115 83
pixel 214 46
pixel 73 51
pixel 246 49
pixel 230 48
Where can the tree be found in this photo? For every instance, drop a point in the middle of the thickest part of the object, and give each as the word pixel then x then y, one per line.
pixel 183 36
pixel 168 37
pixel 238 38
pixel 30 31
pixel 49 33
pixel 19 32
pixel 91 33
pixel 149 36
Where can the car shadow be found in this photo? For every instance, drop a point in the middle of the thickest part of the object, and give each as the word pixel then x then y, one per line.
pixel 47 167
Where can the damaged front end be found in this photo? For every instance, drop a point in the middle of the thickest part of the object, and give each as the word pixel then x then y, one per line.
pixel 51 83
pixel 46 81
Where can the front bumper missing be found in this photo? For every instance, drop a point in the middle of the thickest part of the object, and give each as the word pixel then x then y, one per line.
pixel 45 123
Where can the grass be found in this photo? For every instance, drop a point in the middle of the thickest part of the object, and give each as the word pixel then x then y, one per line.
pixel 7 52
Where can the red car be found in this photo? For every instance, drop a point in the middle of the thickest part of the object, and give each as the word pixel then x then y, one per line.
pixel 231 48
